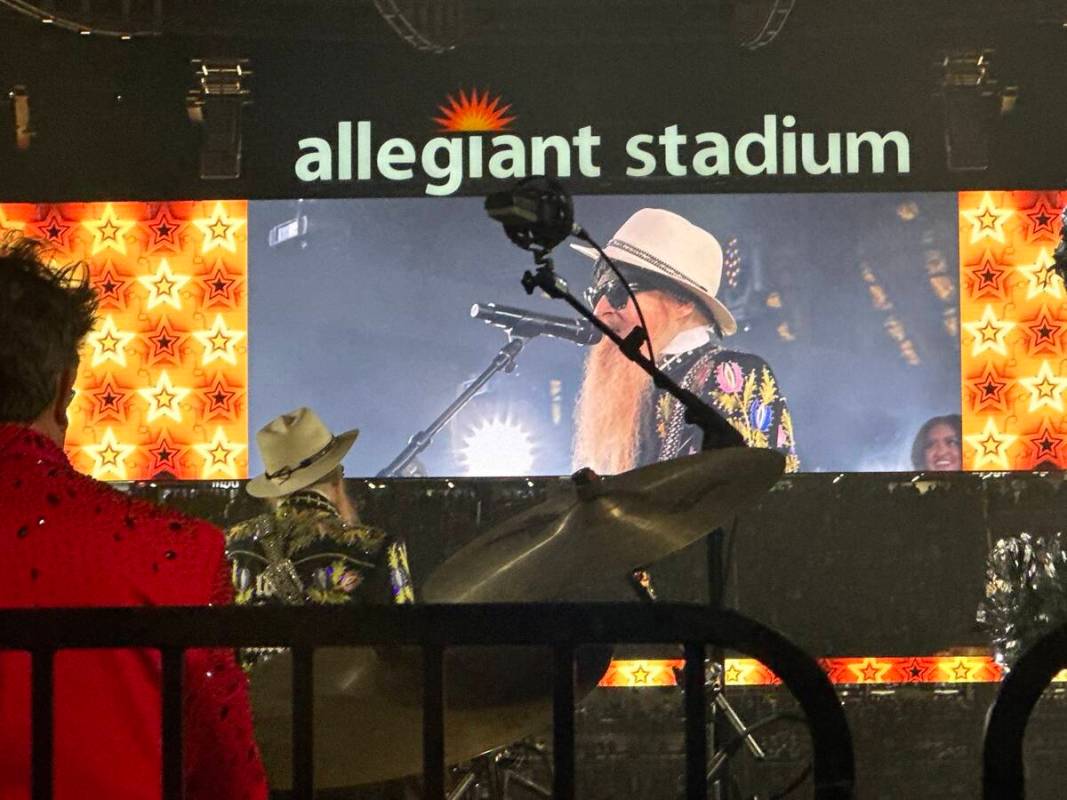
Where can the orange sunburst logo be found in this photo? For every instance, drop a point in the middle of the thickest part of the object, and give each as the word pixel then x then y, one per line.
pixel 474 113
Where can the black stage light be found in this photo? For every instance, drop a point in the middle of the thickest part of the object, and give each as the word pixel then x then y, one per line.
pixel 973 100
pixel 216 104
pixel 20 110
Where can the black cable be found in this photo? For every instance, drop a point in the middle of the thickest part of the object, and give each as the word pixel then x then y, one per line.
pixel 585 237
pixel 794 784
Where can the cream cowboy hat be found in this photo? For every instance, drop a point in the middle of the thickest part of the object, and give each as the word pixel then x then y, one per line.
pixel 666 244
pixel 298 450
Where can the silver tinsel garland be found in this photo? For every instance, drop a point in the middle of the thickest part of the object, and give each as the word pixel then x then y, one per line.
pixel 1025 593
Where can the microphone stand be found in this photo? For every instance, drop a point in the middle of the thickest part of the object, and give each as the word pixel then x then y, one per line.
pixel 502 361
pixel 718 433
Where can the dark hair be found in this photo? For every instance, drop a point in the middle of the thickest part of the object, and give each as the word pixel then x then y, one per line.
pixel 918 447
pixel 45 313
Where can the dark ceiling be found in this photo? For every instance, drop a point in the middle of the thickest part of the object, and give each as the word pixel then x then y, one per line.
pixel 625 66
pixel 475 22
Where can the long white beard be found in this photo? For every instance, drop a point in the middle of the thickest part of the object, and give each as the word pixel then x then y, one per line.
pixel 613 399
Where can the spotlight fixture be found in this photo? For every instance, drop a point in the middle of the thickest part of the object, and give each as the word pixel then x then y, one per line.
pixel 20 108
pixel 216 104
pixel 973 99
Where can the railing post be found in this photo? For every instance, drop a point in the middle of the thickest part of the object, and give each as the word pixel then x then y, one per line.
pixel 433 723
pixel 563 723
pixel 696 728
pixel 43 719
pixel 303 723
pixel 173 768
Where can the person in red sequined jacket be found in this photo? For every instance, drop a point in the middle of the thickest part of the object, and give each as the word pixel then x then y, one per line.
pixel 67 540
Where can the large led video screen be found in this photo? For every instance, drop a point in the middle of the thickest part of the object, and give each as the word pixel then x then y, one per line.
pixel 860 318
pixel 362 310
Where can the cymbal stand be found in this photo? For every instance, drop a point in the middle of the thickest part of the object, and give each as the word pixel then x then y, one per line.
pixel 718 433
pixel 490 775
pixel 715 680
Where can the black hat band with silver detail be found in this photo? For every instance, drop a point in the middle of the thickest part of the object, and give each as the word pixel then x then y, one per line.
pixel 651 259
pixel 285 472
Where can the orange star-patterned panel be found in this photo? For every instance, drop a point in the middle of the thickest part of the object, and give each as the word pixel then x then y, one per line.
pixel 162 389
pixel 1013 309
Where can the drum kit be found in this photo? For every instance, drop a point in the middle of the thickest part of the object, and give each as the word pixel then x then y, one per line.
pixel 582 542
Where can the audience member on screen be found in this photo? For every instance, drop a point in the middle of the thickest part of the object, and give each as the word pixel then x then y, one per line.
pixel 938 446
pixel 67 540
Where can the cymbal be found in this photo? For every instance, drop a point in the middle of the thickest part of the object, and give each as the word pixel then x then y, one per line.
pixel 587 534
pixel 368 713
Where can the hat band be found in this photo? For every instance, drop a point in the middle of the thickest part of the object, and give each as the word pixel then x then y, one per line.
pixel 284 473
pixel 657 262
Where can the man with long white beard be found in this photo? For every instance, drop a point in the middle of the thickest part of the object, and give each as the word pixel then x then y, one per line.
pixel 622 421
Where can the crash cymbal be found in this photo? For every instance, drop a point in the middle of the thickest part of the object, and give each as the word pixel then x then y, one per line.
pixel 368 713
pixel 585 535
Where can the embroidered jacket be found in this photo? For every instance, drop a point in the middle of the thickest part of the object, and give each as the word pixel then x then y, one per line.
pixel 740 386
pixel 67 540
pixel 303 551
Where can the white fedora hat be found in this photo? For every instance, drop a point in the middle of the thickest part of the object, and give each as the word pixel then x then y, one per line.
pixel 298 450
pixel 664 243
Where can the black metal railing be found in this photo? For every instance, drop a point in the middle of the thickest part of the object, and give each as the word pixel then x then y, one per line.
pixel 1003 771
pixel 433 628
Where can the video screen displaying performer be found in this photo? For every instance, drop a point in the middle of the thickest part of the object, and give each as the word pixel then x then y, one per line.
pixel 822 325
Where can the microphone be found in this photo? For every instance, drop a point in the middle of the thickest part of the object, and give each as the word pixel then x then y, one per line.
pixel 527 324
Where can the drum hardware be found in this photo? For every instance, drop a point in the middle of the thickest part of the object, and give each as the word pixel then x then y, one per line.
pixel 592 531
pixel 715 685
pixel 368 707
pixel 490 776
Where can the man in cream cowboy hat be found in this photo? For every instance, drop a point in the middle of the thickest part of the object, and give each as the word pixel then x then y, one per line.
pixel 621 420
pixel 312 547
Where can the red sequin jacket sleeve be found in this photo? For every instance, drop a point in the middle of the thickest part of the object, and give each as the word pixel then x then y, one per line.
pixel 222 759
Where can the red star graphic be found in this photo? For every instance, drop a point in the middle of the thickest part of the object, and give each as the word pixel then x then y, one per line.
pixel 164 231
pixel 220 399
pixel 110 287
pixel 166 343
pixel 53 229
pixel 164 454
pixel 220 286
pixel 987 277
pixel 1041 220
pixel 914 671
pixel 989 389
pixel 1043 333
pixel 1046 444
pixel 109 400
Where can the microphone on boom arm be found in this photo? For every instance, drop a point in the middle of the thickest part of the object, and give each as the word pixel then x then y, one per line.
pixel 526 324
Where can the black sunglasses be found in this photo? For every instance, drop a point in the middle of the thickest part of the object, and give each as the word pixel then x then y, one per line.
pixel 607 284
